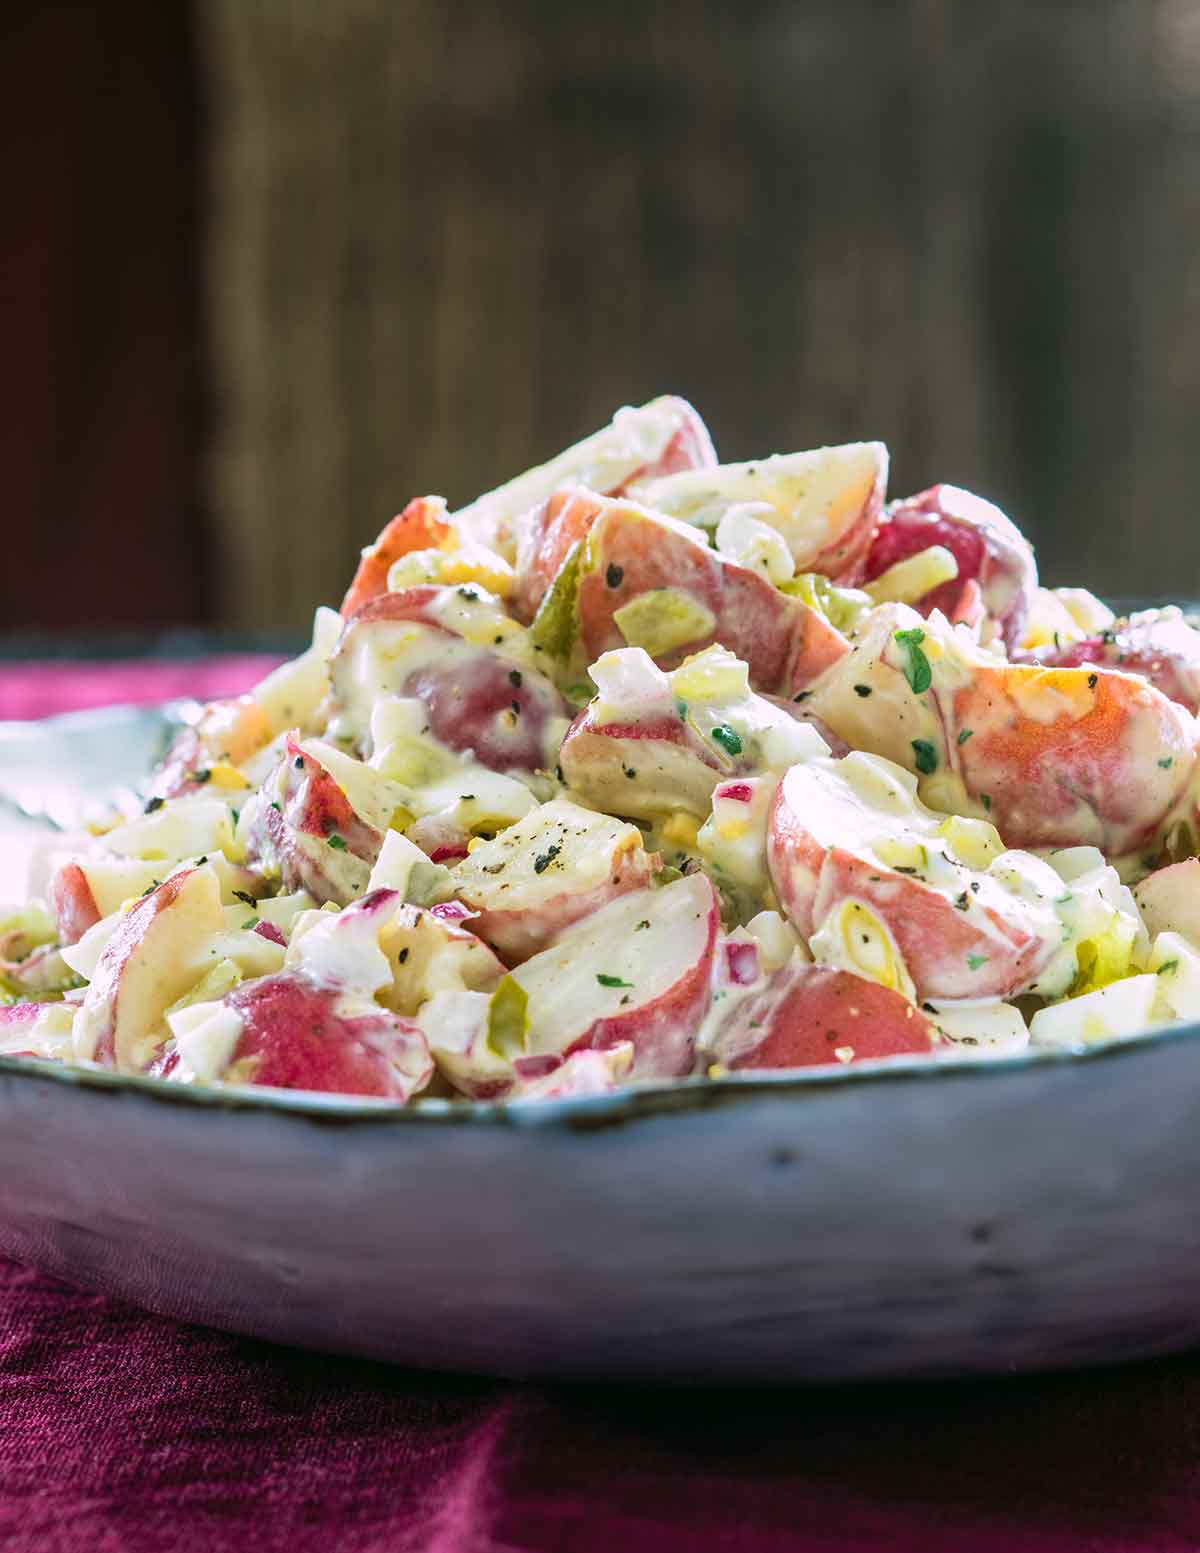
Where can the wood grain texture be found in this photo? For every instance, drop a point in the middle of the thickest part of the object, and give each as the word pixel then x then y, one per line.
pixel 447 238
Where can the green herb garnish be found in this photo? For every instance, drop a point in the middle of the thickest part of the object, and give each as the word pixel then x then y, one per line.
pixel 336 842
pixel 924 756
pixel 611 981
pixel 724 735
pixel 916 671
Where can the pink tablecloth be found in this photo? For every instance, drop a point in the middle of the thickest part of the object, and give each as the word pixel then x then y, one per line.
pixel 121 1431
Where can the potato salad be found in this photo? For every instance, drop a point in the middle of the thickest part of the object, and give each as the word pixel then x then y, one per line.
pixel 640 767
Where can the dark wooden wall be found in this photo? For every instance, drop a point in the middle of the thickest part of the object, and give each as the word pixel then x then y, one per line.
pixel 447 236
pixel 102 505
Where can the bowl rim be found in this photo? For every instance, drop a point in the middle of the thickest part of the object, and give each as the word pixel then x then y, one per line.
pixel 585 1113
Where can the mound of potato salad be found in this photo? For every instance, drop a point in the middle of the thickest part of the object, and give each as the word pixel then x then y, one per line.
pixel 645 766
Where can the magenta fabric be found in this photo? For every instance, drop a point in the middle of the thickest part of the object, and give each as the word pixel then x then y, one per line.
pixel 122 1432
pixel 29 690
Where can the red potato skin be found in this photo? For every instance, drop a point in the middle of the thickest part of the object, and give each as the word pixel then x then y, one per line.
pixel 419 527
pixel 295 1037
pixel 786 644
pixel 988 561
pixel 663 1032
pixel 72 903
pixel 933 936
pixel 810 1014
pixel 464 696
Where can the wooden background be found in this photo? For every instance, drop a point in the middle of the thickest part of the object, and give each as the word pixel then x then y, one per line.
pixel 440 239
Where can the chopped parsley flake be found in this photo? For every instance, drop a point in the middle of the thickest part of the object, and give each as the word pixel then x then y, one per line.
pixel 514 679
pixel 924 756
pixel 802 696
pixel 154 803
pixel 1167 762
pixel 245 898
pixel 974 961
pixel 986 800
pixel 1168 967
pixel 682 708
pixel 336 842
pixel 299 763
pixel 201 775
pixel 1093 681
pixel 615 575
pixel 277 807
pixel 611 981
pixel 250 922
pixel 544 859
pixel 917 671
pixel 964 734
pixel 724 735
pixel 644 923
pixel 862 690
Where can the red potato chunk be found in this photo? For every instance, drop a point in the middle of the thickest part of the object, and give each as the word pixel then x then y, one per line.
pixel 646 767
pixel 807 1016
pixel 36 1030
pixel 557 865
pixel 661 437
pixel 852 832
pixel 307 830
pixel 1169 900
pixel 825 503
pixel 997 574
pixel 637 970
pixel 227 732
pixel 632 553
pixel 1157 645
pixel 421 526
pixel 1054 757
pixel 71 900
pixel 157 953
pixel 297 1034
pixel 479 700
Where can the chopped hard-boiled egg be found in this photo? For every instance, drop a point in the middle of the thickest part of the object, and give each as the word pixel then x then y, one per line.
pixel 1121 1008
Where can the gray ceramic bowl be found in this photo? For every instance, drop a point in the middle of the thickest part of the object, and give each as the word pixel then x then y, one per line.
pixel 895 1219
